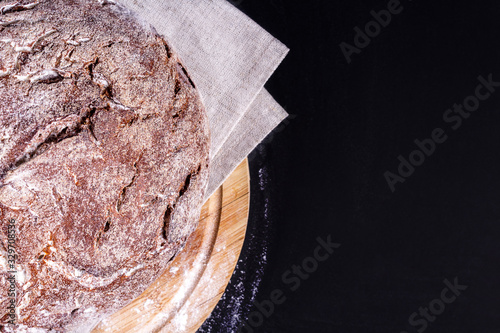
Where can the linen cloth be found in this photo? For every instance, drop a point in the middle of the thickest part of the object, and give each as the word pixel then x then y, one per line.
pixel 229 57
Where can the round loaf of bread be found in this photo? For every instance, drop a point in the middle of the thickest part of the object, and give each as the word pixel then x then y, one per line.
pixel 104 151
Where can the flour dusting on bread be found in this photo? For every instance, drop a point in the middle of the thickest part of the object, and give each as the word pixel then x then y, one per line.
pixel 104 150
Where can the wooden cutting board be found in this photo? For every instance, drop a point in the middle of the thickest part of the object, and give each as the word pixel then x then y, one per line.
pixel 185 295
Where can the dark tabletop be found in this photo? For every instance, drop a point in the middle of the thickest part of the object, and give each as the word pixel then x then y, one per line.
pixel 375 207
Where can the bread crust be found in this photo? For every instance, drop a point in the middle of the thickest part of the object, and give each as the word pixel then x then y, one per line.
pixel 104 153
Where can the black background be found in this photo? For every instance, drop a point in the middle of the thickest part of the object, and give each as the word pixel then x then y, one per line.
pixel 324 171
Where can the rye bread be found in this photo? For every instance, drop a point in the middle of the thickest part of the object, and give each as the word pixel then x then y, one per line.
pixel 104 151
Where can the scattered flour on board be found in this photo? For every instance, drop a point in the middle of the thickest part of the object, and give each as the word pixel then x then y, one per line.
pixel 180 321
pixel 149 302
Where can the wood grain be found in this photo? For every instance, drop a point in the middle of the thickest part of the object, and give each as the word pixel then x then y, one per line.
pixel 185 295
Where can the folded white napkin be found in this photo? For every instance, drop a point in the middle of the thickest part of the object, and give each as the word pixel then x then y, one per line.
pixel 229 58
